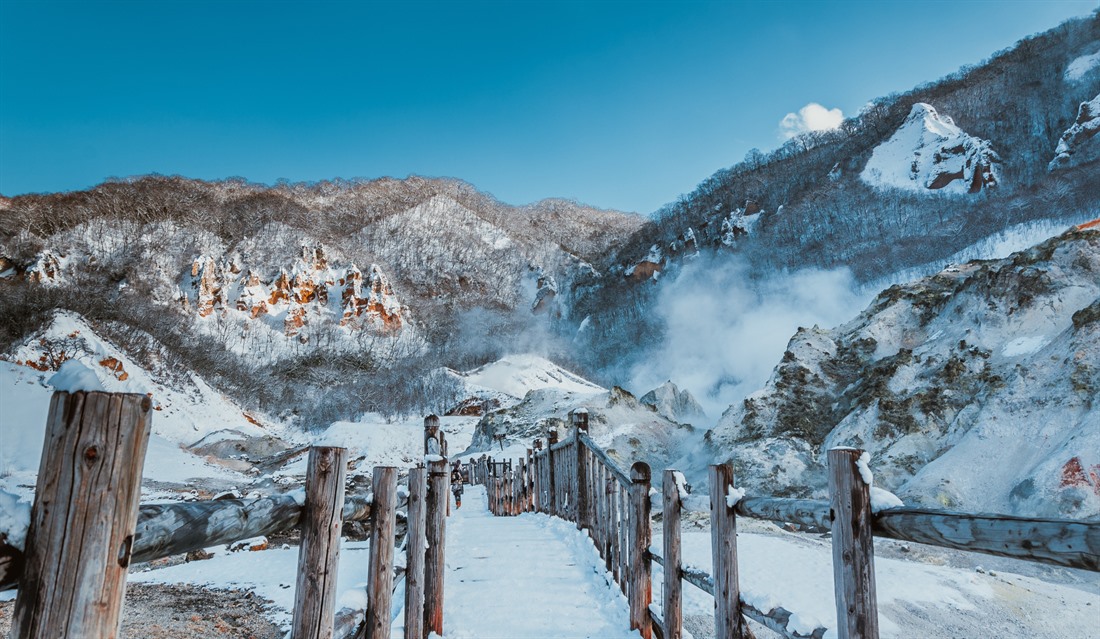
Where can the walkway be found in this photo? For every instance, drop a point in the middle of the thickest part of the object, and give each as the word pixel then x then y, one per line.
pixel 530 576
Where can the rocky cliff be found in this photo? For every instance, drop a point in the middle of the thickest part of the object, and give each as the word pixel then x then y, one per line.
pixel 977 388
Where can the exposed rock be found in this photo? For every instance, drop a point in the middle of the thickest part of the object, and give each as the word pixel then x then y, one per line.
pixel 674 403
pixel 930 153
pixel 46 269
pixel 304 292
pixel 544 296
pixel 1077 146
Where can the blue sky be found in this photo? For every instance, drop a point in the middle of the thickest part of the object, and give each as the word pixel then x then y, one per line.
pixel 618 104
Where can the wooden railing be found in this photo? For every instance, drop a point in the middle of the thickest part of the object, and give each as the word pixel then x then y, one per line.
pixel 72 575
pixel 578 481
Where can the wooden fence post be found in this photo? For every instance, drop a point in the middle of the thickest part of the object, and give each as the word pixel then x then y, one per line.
pixel 434 568
pixel 728 621
pixel 433 438
pixel 853 547
pixel 552 489
pixel 414 553
pixel 380 576
pixel 580 478
pixel 641 585
pixel 672 610
pixel 319 553
pixel 85 510
pixel 624 537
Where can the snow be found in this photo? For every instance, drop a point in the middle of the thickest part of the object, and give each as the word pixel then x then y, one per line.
pixel 183 412
pixel 882 499
pixel 1081 66
pixel 915 599
pixel 864 466
pixel 490 584
pixel 73 377
pixel 516 375
pixel 398 443
pixel 269 573
pixel 1028 345
pixel 530 576
pixel 925 147
pixel 15 519
pixel 734 495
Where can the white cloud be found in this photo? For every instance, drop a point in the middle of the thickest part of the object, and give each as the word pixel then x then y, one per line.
pixel 812 117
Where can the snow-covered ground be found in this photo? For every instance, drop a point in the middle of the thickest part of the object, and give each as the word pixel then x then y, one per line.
pixel 915 599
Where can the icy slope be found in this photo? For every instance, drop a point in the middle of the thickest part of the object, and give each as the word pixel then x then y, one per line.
pixel 929 152
pixel 517 375
pixel 977 388
pixel 185 408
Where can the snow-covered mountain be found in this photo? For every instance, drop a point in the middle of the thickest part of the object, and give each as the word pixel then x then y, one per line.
pixel 929 152
pixel 977 388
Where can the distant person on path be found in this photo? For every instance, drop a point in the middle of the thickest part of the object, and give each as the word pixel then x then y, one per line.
pixel 456 483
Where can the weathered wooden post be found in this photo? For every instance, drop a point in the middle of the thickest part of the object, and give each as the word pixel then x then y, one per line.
pixel 552 489
pixel 319 553
pixel 433 437
pixel 728 621
pixel 434 569
pixel 853 547
pixel 672 607
pixel 82 522
pixel 641 579
pixel 624 537
pixel 414 553
pixel 380 577
pixel 536 478
pixel 580 480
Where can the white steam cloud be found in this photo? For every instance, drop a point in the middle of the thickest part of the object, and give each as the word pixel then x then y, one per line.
pixel 726 332
pixel 812 117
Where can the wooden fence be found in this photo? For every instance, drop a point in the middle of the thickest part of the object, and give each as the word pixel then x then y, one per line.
pixel 87 527
pixel 577 481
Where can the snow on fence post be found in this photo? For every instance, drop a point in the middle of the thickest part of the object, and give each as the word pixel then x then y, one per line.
pixel 580 478
pixel 728 621
pixel 319 553
pixel 434 568
pixel 85 509
pixel 380 576
pixel 853 547
pixel 672 607
pixel 414 553
pixel 641 587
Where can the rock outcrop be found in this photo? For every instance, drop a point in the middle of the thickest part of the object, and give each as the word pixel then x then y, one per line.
pixel 313 289
pixel 977 388
pixel 930 153
pixel 674 403
pixel 1078 144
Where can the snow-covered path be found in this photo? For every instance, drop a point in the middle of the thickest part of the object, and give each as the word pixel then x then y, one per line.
pixel 526 576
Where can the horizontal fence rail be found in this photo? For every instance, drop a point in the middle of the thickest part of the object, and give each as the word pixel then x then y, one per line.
pixel 1058 542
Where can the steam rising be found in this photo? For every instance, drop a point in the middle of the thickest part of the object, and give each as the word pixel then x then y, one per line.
pixel 726 331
